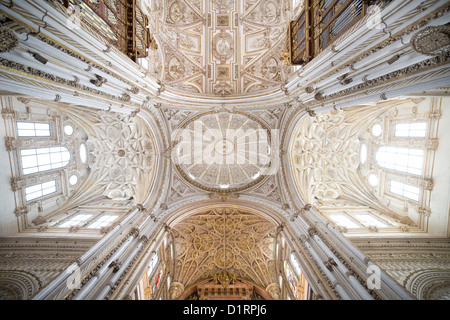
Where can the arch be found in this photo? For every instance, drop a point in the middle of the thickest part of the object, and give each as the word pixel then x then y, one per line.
pixel 176 214
pixel 429 284
pixel 18 285
pixel 192 221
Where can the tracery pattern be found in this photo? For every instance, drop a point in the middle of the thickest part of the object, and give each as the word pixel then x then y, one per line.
pixel 208 242
pixel 122 154
pixel 324 152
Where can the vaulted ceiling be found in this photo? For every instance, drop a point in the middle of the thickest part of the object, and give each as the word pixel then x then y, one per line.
pixel 220 47
pixel 224 238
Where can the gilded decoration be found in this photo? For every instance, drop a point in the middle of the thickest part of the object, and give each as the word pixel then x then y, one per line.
pixel 221 239
pixel 220 47
pixel 8 40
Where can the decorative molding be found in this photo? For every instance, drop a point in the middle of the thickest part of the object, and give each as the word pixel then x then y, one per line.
pixel 432 41
pixel 8 40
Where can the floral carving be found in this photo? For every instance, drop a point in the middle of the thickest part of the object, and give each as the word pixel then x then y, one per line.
pixel 8 40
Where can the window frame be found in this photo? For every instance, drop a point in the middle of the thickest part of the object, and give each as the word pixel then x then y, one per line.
pixel 42 196
pixel 396 164
pixel 34 123
pixel 97 218
pixel 37 156
pixel 409 124
pixel 402 196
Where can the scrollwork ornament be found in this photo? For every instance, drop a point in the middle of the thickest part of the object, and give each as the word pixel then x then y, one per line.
pixel 8 40
pixel 432 41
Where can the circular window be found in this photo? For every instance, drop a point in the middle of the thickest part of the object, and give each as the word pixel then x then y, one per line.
pixel 68 130
pixel 376 130
pixel 83 153
pixel 373 180
pixel 73 180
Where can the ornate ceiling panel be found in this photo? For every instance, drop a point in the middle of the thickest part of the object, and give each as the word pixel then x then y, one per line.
pixel 323 153
pixel 325 156
pixel 221 47
pixel 208 242
pixel 222 151
pixel 121 155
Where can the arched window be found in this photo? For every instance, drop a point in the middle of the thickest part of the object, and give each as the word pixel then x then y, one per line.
pixel 43 159
pixel 406 160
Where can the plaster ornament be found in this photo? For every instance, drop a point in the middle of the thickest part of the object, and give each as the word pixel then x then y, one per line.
pixel 176 289
pixel 274 290
pixel 8 40
pixel 432 41
pixel 201 239
pixel 211 151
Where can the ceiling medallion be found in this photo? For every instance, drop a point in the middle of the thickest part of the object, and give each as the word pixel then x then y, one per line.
pixel 223 45
pixel 223 152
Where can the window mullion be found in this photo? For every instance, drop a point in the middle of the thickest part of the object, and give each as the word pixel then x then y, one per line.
pixel 94 218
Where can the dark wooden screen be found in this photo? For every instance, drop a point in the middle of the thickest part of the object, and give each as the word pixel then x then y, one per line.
pixel 321 22
pixel 122 22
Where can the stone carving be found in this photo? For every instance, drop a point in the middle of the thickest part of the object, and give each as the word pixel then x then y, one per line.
pixel 432 41
pixel 274 290
pixel 322 168
pixel 8 40
pixel 176 289
pixel 207 242
pixel 39 220
pixel 391 75
pixel 120 155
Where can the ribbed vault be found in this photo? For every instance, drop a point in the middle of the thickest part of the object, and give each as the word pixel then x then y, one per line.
pixel 224 238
